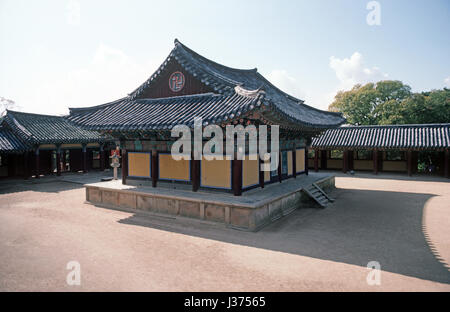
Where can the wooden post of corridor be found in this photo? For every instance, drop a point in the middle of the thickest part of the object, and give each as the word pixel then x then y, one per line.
pixel 446 163
pixel 124 166
pixel 316 160
pixel 36 153
pixel 236 175
pixel 409 162
pixel 306 160
pixel 345 162
pixel 58 160
pixel 375 161
pixel 195 173
pixel 155 172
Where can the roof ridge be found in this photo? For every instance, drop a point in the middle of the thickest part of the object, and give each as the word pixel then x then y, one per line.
pixel 180 96
pixel 78 109
pixel 34 114
pixel 394 126
pixel 177 42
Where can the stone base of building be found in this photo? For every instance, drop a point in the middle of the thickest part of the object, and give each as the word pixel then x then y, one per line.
pixel 250 212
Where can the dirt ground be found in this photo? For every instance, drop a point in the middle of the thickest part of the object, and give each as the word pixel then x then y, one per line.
pixel 403 223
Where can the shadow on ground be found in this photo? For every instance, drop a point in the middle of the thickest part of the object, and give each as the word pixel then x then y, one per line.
pixel 52 183
pixel 361 226
pixel 47 186
pixel 424 177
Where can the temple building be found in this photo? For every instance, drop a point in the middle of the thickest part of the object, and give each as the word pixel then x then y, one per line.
pixel 34 145
pixel 390 148
pixel 188 85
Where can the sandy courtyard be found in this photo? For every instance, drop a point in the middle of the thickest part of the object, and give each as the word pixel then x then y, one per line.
pixel 402 223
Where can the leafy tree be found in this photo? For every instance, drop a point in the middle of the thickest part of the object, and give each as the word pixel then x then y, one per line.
pixel 368 104
pixel 391 102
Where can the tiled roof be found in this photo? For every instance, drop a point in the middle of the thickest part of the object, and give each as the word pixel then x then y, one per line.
pixel 45 129
pixel 224 80
pixel 427 136
pixel 11 143
pixel 164 113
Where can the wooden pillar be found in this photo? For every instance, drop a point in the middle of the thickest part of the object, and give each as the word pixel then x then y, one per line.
pixel 375 161
pixel 316 160
pixel 36 153
pixel 236 176
pixel 261 172
pixel 102 157
pixel 155 167
pixel 195 173
pixel 306 160
pixel 345 162
pixel 294 162
pixel 58 160
pixel 84 152
pixel 323 159
pixel 279 166
pixel 446 163
pixel 124 166
pixel 409 162
pixel 26 161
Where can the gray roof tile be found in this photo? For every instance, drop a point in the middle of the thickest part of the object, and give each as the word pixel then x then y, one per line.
pixel 427 136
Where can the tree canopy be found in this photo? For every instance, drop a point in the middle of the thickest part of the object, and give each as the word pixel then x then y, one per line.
pixel 392 102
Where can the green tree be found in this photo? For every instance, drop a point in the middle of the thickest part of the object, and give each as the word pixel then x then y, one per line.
pixel 391 102
pixel 370 103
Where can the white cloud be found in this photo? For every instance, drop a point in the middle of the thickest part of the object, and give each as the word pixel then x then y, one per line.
pixel 447 82
pixel 283 80
pixel 351 71
pixel 109 76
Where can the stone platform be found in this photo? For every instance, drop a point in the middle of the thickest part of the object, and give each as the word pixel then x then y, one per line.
pixel 251 211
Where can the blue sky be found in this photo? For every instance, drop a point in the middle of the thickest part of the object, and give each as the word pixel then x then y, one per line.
pixel 60 54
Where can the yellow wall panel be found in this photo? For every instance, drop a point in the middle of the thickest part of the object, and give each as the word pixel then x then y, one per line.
pixel 172 169
pixel 139 164
pixel 334 163
pixel 290 164
pixel 71 146
pixel 250 172
pixel 47 146
pixel 216 173
pixel 300 160
pixel 394 165
pixel 363 164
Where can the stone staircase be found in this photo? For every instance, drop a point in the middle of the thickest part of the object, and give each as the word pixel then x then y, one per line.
pixel 318 195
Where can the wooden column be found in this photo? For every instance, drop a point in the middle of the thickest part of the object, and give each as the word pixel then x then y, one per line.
pixel 195 173
pixel 294 163
pixel 84 152
pixel 306 160
pixel 345 162
pixel 316 160
pixel 155 167
pixel 279 167
pixel 375 161
pixel 261 173
pixel 26 167
pixel 124 166
pixel 409 162
pixel 36 153
pixel 102 157
pixel 58 160
pixel 323 159
pixel 446 163
pixel 236 176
